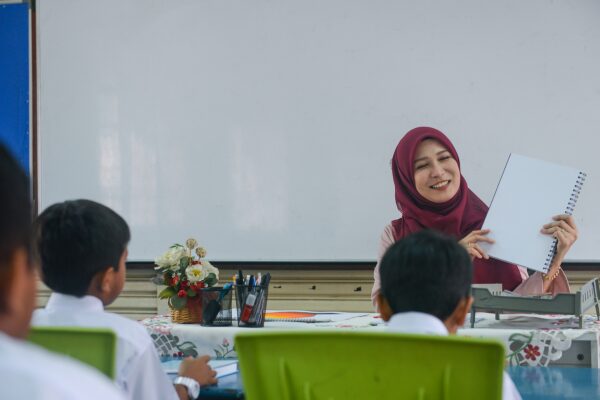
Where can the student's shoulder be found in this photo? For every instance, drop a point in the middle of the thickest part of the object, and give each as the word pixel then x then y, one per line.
pixel 129 330
pixel 36 373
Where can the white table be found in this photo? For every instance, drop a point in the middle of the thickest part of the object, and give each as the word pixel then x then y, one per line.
pixel 530 340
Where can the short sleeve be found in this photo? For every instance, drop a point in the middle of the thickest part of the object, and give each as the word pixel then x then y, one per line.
pixel 386 240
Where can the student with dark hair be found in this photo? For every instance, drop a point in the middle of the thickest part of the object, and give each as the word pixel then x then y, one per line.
pixel 425 288
pixel 27 371
pixel 82 248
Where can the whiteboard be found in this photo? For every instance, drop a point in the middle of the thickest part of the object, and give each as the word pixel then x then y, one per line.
pixel 265 129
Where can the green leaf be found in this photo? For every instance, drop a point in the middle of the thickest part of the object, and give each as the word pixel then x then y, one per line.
pixel 184 262
pixel 166 293
pixel 211 279
pixel 191 293
pixel 177 302
pixel 186 346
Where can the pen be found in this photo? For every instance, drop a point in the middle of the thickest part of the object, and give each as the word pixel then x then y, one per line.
pixel 260 308
pixel 240 291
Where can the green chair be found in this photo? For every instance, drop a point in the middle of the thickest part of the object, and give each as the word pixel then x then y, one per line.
pixel 368 365
pixel 93 346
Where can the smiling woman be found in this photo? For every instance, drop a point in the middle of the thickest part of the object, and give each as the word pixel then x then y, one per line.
pixel 437 176
pixel 431 193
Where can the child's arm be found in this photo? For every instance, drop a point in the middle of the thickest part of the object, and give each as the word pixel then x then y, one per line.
pixel 197 369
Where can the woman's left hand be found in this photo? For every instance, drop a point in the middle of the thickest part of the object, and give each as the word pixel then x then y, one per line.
pixel 563 228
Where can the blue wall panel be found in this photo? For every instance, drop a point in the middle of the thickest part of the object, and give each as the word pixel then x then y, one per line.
pixel 14 80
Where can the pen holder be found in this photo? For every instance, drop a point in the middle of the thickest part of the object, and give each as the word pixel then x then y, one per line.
pixel 216 306
pixel 251 304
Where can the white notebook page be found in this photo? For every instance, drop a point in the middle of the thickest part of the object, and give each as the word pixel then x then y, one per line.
pixel 529 194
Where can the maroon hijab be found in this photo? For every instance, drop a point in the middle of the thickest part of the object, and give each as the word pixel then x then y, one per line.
pixel 457 217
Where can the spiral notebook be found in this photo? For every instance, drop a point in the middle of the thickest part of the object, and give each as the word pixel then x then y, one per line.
pixel 529 194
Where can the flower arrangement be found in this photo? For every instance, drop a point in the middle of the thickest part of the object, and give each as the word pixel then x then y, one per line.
pixel 184 271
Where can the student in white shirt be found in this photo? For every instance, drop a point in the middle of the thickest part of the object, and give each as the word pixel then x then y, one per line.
pixel 425 288
pixel 27 371
pixel 82 247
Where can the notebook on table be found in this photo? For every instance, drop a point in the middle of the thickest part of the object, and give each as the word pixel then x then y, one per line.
pixel 223 367
pixel 529 194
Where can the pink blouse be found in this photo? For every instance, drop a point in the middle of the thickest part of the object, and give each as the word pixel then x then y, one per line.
pixel 531 285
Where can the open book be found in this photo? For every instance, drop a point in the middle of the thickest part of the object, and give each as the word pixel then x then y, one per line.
pixel 529 194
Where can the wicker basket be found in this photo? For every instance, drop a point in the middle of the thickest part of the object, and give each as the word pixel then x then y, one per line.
pixel 190 314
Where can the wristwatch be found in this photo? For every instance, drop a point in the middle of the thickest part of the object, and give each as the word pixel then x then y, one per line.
pixel 193 387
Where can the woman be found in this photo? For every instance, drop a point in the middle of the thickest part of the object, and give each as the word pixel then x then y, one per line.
pixel 431 193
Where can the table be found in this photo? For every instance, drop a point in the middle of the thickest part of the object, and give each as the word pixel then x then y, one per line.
pixel 530 340
pixel 191 339
pixel 556 383
pixel 541 340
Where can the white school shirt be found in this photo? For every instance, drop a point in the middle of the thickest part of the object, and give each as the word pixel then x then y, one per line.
pixel 421 323
pixel 138 369
pixel 30 372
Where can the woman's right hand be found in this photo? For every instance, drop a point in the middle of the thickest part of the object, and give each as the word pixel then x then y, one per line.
pixel 470 243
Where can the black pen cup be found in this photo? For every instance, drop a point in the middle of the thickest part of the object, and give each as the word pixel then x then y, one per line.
pixel 216 306
pixel 251 304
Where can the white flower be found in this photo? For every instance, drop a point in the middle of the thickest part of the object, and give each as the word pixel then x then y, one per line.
pixel 170 259
pixel 195 273
pixel 191 243
pixel 209 268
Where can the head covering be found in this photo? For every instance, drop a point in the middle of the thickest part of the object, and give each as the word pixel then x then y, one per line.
pixel 456 217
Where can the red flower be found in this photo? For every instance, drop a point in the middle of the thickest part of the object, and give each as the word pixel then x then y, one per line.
pixel 195 262
pixel 197 286
pixel 174 280
pixel 532 352
pixel 182 293
pixel 185 284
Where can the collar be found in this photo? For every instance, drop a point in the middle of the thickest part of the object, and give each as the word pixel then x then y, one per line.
pixel 60 301
pixel 417 322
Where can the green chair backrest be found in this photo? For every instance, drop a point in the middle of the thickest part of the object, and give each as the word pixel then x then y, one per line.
pixel 368 365
pixel 92 346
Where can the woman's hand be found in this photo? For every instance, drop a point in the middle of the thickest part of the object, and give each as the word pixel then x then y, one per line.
pixel 470 241
pixel 563 228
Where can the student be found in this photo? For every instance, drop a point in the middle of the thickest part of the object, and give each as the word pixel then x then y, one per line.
pixel 27 371
pixel 431 193
pixel 82 247
pixel 425 288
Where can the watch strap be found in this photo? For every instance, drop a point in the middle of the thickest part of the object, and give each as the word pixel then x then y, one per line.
pixel 192 385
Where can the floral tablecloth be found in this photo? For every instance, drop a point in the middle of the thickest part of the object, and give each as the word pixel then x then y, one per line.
pixel 537 340
pixel 176 340
pixel 530 340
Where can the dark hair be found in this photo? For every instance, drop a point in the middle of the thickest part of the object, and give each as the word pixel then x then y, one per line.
pixel 427 272
pixel 15 216
pixel 75 240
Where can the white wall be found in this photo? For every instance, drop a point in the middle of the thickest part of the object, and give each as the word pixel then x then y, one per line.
pixel 265 128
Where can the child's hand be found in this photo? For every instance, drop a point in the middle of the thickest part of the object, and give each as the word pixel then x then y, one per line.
pixel 198 369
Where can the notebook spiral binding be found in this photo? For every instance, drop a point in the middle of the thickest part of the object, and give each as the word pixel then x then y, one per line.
pixel 569 211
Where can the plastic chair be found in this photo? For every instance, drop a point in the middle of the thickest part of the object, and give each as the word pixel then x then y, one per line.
pixel 375 365
pixel 93 346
